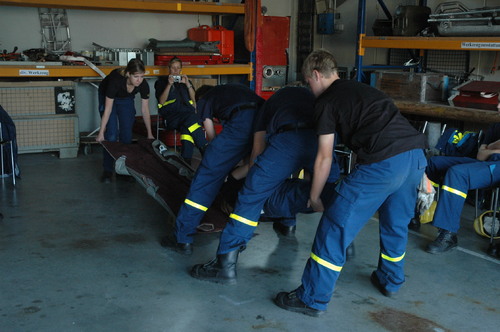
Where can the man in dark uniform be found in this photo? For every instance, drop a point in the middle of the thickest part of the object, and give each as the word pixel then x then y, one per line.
pixel 390 165
pixel 175 95
pixel 461 174
pixel 236 106
pixel 286 120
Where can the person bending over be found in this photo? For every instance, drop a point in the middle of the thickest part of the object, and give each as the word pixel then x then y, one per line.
pixel 390 164
pixel 284 143
pixel 117 109
pixel 236 106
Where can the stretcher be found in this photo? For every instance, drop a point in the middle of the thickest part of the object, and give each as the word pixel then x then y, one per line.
pixel 165 176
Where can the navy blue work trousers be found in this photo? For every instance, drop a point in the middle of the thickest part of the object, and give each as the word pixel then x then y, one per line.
pixel 458 175
pixel 389 186
pixel 187 122
pixel 225 151
pixel 285 154
pixel 119 126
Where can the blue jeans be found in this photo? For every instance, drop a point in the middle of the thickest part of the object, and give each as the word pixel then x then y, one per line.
pixel 119 126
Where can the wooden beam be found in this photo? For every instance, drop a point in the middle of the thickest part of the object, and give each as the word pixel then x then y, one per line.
pixel 470 115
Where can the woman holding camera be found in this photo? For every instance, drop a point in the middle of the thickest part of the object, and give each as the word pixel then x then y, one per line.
pixel 176 104
pixel 117 108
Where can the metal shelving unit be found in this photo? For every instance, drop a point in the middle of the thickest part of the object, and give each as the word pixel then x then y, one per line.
pixel 157 6
pixel 416 43
pixel 431 43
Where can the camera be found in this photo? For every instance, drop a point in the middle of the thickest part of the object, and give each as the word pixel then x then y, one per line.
pixel 176 78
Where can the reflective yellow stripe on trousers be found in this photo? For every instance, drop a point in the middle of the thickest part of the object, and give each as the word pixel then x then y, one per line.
pixel 454 191
pixel 195 205
pixel 193 127
pixel 188 138
pixel 393 259
pixel 243 220
pixel 166 103
pixel 326 264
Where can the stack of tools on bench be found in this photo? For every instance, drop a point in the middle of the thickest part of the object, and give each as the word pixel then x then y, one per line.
pixel 204 46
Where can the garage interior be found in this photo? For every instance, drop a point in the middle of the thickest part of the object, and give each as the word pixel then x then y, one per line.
pixel 80 255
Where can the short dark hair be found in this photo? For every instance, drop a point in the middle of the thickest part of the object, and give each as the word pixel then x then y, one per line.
pixel 174 59
pixel 202 90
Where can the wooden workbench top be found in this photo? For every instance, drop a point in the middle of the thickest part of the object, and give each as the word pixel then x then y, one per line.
pixel 471 115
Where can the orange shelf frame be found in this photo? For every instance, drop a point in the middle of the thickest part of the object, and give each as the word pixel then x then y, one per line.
pixel 156 6
pixel 431 43
pixel 84 71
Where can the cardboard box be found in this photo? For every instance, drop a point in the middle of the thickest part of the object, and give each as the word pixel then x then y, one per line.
pixel 418 87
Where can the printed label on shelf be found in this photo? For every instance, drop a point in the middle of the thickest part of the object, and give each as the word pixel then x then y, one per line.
pixel 28 72
pixel 478 45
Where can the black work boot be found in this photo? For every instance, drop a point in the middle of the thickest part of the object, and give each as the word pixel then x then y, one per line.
pixel 182 248
pixel 290 302
pixel 284 230
pixel 221 270
pixel 445 241
pixel 376 282
pixel 414 224
pixel 106 177
pixel 350 253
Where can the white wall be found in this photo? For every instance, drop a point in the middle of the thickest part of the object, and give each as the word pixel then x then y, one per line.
pixel 20 27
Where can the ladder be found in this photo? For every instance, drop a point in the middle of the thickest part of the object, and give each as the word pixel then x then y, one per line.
pixel 55 30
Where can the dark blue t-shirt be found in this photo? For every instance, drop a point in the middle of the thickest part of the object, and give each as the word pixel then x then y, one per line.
pixel 222 100
pixel 288 106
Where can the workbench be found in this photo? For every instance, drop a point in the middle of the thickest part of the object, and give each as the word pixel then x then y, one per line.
pixel 438 111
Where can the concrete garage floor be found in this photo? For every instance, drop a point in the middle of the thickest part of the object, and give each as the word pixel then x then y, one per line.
pixel 78 255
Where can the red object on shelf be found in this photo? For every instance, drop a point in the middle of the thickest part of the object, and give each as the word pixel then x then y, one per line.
pixel 218 33
pixel 271 49
pixel 478 94
pixel 214 59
